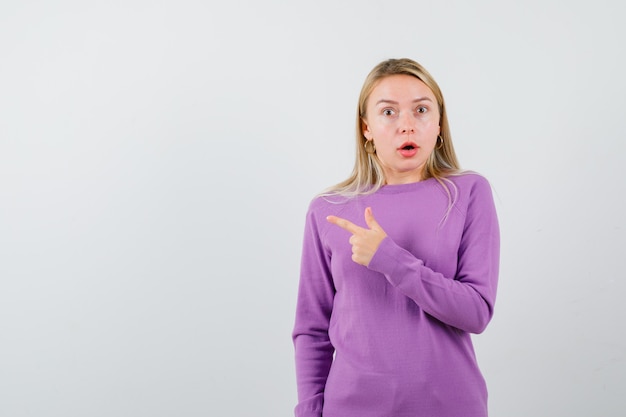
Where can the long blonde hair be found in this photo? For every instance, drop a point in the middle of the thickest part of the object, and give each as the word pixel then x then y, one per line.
pixel 367 175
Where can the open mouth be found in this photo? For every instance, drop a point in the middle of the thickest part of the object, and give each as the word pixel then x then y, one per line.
pixel 408 146
pixel 408 149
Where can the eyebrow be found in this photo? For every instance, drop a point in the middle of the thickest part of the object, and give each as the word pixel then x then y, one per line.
pixel 417 100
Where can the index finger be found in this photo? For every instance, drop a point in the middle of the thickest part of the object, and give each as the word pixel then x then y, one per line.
pixel 344 224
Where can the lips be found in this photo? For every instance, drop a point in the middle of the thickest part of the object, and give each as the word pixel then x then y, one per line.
pixel 408 149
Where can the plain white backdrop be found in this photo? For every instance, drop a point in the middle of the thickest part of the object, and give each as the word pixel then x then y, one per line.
pixel 157 159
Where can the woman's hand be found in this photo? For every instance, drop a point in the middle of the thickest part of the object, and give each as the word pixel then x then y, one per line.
pixel 364 241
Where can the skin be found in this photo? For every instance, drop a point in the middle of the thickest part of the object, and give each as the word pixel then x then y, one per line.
pixel 364 241
pixel 400 110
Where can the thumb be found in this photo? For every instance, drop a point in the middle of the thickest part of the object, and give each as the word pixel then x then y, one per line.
pixel 370 220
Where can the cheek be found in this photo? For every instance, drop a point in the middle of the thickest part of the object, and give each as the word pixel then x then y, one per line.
pixel 432 122
pixel 382 125
pixel 431 129
pixel 381 132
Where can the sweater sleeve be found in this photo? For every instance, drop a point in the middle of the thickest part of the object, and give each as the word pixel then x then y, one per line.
pixel 313 349
pixel 465 301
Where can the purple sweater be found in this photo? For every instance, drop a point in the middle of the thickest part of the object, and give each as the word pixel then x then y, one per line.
pixel 393 339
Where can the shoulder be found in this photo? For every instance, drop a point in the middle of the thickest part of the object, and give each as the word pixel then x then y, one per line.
pixel 470 183
pixel 471 190
pixel 326 202
pixel 322 206
pixel 469 179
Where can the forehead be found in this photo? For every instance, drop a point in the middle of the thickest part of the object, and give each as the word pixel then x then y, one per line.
pixel 399 88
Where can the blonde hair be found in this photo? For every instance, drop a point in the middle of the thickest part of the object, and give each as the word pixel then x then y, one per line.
pixel 367 175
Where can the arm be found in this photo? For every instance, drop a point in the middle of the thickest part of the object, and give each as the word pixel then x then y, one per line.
pixel 313 350
pixel 466 300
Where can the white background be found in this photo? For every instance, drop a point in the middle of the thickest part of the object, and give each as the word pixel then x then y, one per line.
pixel 157 159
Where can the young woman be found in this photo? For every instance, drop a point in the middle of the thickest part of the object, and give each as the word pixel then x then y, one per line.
pixel 399 266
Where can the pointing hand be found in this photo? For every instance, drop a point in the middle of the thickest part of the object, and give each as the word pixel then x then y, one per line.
pixel 364 241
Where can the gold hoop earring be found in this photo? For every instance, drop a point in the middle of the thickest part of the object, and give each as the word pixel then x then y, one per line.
pixel 440 140
pixel 369 146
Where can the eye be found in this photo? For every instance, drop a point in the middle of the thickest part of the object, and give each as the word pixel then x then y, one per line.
pixel 422 109
pixel 388 112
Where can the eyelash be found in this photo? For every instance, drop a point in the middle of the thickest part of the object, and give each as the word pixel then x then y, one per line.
pixel 420 109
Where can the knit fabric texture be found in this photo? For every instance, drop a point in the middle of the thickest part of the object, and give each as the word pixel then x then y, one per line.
pixel 393 339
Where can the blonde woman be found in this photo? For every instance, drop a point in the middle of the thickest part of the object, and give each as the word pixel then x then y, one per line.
pixel 399 266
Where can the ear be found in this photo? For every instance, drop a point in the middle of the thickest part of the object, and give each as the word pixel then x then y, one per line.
pixel 365 129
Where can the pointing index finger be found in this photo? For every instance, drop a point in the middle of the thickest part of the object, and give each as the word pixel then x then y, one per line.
pixel 344 224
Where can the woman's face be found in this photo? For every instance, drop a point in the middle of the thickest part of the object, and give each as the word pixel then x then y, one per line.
pixel 402 118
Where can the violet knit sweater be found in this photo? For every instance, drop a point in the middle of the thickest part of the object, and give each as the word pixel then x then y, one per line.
pixel 393 339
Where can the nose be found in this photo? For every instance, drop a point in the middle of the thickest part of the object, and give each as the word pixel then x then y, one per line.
pixel 407 124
